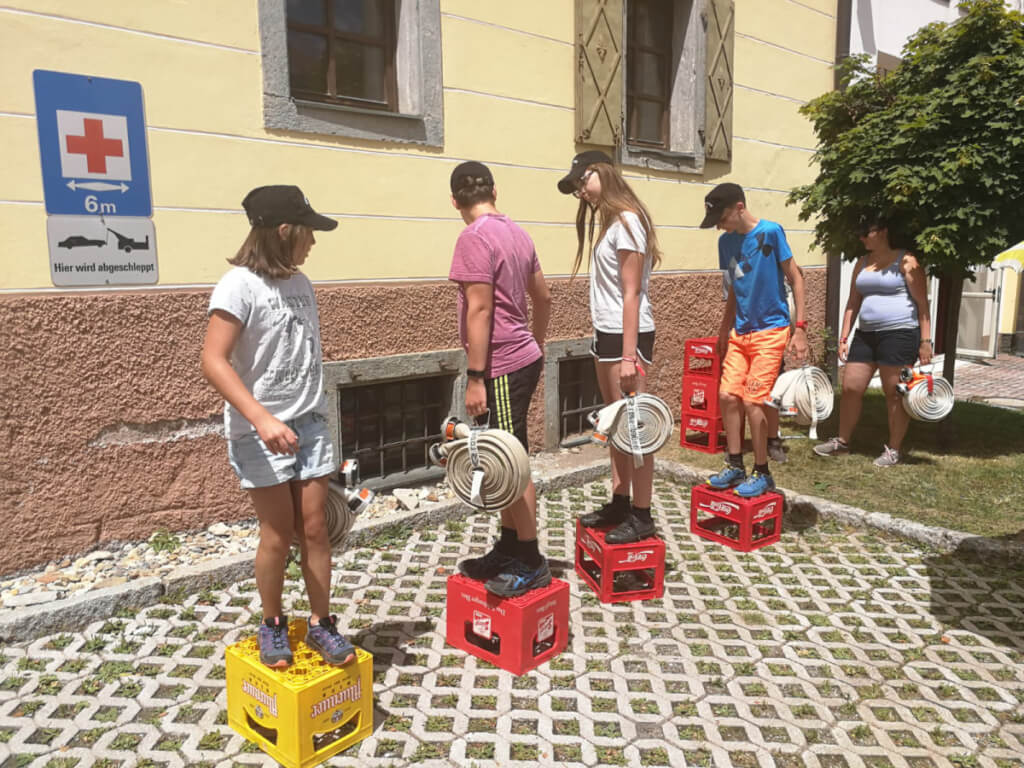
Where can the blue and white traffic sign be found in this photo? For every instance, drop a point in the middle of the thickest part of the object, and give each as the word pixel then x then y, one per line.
pixel 92 144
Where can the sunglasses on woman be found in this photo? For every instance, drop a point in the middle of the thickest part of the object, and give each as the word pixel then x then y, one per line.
pixel 578 192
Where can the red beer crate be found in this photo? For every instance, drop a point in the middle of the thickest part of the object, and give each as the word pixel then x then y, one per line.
pixel 620 572
pixel 743 524
pixel 515 633
pixel 701 432
pixel 700 395
pixel 700 357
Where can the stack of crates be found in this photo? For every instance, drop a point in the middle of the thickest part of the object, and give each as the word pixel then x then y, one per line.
pixel 700 423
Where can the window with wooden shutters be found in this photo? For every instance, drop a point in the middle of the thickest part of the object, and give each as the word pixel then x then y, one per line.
pixel 599 72
pixel 648 71
pixel 720 18
pixel 343 52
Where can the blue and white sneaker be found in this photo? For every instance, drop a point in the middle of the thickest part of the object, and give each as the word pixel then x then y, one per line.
pixel 728 477
pixel 755 485
pixel 517 578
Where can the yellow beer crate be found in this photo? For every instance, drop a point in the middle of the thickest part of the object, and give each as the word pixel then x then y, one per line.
pixel 303 714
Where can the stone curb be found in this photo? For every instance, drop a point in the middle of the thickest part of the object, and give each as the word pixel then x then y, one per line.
pixel 72 614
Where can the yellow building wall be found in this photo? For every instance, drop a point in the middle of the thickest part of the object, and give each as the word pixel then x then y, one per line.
pixel 508 101
pixel 1010 302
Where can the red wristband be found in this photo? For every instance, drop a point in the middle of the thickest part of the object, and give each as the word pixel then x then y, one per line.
pixel 801 324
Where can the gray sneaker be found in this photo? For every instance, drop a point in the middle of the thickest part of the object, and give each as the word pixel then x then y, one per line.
pixel 831 447
pixel 775 450
pixel 889 457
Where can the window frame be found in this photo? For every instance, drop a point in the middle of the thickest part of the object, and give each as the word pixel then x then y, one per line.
pixel 419 118
pixel 687 107
pixel 387 41
pixel 665 58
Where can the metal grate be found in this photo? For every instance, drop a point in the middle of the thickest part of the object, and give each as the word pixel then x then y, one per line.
pixel 388 427
pixel 578 395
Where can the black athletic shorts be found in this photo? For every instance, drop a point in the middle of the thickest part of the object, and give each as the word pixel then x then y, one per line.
pixel 607 347
pixel 896 347
pixel 508 399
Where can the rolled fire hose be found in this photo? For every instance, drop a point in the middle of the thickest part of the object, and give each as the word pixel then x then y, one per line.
pixel 344 504
pixel 925 397
pixel 805 393
pixel 487 468
pixel 636 424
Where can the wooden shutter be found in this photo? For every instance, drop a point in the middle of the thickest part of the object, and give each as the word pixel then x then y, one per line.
pixel 599 72
pixel 719 22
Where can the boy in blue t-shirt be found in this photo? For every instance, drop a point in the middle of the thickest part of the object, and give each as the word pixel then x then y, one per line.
pixel 755 330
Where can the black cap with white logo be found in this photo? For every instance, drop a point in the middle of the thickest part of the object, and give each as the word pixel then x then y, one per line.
pixel 580 163
pixel 283 204
pixel 718 199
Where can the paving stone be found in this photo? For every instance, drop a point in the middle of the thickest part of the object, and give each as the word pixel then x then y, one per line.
pixel 835 647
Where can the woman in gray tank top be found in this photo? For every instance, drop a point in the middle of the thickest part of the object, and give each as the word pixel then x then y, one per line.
pixel 890 295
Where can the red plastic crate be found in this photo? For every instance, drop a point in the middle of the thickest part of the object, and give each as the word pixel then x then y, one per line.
pixel 700 357
pixel 700 396
pixel 620 572
pixel 743 524
pixel 700 432
pixel 515 633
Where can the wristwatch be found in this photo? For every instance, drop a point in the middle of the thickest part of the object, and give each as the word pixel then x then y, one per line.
pixel 474 374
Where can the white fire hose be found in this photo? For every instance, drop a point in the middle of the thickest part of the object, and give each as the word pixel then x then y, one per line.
pixel 804 393
pixel 636 424
pixel 925 397
pixel 487 468
pixel 344 504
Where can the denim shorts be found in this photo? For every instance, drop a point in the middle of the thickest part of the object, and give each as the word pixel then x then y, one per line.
pixel 257 467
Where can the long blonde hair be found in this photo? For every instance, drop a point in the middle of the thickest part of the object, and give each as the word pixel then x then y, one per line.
pixel 268 254
pixel 617 197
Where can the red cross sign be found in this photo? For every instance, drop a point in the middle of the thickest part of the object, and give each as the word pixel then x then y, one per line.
pixel 93 146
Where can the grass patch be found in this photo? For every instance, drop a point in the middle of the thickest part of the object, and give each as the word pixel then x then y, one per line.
pixel 980 471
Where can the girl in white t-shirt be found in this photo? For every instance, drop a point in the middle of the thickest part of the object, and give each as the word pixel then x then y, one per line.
pixel 262 353
pixel 623 348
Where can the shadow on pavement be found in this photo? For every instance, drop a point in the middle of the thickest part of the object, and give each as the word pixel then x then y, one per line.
pixel 980 587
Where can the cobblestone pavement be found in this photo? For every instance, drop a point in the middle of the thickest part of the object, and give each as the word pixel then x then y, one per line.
pixel 1002 377
pixel 831 648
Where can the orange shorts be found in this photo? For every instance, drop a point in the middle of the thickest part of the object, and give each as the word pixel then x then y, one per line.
pixel 752 363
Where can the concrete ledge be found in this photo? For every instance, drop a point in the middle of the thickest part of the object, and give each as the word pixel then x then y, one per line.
pixel 72 614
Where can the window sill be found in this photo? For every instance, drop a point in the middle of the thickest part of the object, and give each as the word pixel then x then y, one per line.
pixel 660 159
pixel 305 105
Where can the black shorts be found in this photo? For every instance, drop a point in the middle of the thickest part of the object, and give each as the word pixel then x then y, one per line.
pixel 607 347
pixel 508 399
pixel 896 347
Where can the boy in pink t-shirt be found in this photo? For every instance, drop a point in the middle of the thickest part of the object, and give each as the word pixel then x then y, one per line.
pixel 496 267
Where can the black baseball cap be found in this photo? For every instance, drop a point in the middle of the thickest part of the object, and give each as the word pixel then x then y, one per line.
pixel 718 199
pixel 283 204
pixel 468 173
pixel 579 166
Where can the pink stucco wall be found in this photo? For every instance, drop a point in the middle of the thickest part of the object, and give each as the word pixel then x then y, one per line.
pixel 107 423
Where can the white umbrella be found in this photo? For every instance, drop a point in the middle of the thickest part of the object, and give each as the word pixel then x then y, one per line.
pixel 1011 258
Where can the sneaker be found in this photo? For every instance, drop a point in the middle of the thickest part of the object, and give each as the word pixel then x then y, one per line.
pixel 775 450
pixel 517 578
pixel 832 447
pixel 889 457
pixel 486 567
pixel 324 637
pixel 610 514
pixel 630 530
pixel 755 485
pixel 728 477
pixel 273 641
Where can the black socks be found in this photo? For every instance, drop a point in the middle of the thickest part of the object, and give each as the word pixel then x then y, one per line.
pixel 527 552
pixel 642 513
pixel 736 460
pixel 762 469
pixel 508 544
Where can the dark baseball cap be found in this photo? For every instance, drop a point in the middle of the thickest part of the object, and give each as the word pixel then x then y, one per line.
pixel 579 166
pixel 283 204
pixel 468 173
pixel 718 199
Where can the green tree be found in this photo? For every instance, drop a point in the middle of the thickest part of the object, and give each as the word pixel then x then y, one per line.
pixel 937 145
